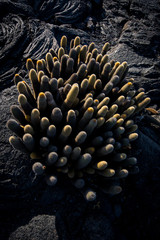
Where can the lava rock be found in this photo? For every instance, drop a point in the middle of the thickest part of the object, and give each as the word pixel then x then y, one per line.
pixel 39 227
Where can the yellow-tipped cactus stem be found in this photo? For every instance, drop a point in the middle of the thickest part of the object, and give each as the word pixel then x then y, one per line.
pixel 15 127
pixel 35 117
pixel 91 47
pixel 29 129
pixel 119 157
pixel 63 42
pixel 17 144
pixel 51 180
pixel 133 137
pixel 123 173
pixel 40 75
pixel 61 162
pixel 22 89
pixel 41 102
pixel 83 52
pixel 38 168
pixel 29 141
pixel 82 71
pixel 56 70
pixel 103 61
pixel 90 195
pixel 18 114
pixel 49 62
pixel 99 58
pixel 105 72
pixel 56 115
pixel 44 123
pixel 67 150
pixel 83 161
pixel 105 150
pixel 108 172
pixel 17 79
pixel 72 95
pixel 39 65
pixel 113 190
pixel 26 107
pixel 61 52
pixel 120 71
pixel 51 131
pixel 76 41
pixel 60 82
pixel 116 65
pixel 142 104
pixel 105 48
pixel 44 142
pixel 101 165
pixel 34 81
pixel 66 131
pixel 102 111
pixel 29 64
pixel 76 153
pixel 44 85
pixel 81 137
pixel 86 117
pixel 110 123
pixel 91 126
pixel 94 53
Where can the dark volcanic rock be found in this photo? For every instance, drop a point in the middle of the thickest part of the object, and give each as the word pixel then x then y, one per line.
pixel 40 227
pixel 13 41
pixel 43 38
pixel 22 7
pixel 60 12
pixel 29 209
pixel 97 227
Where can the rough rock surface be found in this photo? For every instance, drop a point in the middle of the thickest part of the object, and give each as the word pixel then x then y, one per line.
pixel 40 227
pixel 29 209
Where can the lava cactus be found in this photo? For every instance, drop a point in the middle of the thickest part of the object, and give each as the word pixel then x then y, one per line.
pixel 76 118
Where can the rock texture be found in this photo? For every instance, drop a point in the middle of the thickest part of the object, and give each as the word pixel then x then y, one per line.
pixel 29 209
pixel 40 227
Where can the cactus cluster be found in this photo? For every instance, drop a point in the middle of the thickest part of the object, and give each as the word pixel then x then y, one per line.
pixel 76 118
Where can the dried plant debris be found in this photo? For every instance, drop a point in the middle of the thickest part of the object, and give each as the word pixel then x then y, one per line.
pixel 76 118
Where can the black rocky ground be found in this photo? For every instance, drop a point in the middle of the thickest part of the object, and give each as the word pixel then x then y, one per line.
pixel 29 209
